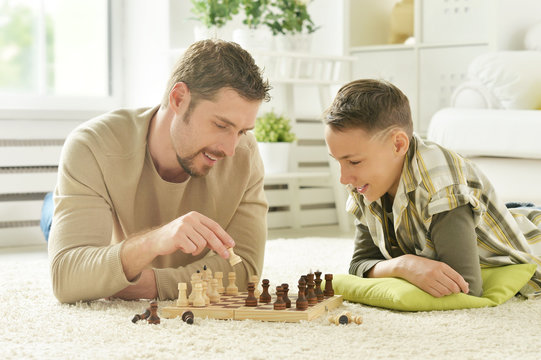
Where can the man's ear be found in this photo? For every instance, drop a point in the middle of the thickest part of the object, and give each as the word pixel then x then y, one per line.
pixel 401 142
pixel 179 97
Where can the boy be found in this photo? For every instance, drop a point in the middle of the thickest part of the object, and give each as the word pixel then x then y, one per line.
pixel 423 213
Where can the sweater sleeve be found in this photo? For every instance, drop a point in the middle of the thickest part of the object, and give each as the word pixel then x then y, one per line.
pixel 248 227
pixel 366 254
pixel 84 265
pixel 455 241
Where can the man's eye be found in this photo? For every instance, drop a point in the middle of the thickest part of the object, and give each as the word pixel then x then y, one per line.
pixel 219 125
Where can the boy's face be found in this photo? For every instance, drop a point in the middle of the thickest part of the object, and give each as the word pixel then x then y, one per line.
pixel 373 165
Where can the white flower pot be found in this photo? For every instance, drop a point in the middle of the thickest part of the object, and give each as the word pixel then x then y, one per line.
pixel 275 156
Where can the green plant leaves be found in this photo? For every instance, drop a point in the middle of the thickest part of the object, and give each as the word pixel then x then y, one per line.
pixel 273 128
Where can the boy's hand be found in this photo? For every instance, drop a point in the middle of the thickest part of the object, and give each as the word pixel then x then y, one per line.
pixel 435 277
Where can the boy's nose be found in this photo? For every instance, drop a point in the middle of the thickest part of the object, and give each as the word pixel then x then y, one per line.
pixel 345 177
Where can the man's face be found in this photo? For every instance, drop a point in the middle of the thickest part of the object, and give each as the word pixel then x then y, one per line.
pixel 211 130
pixel 368 163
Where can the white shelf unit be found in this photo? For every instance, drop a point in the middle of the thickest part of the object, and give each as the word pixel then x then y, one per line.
pixel 448 35
pixel 310 193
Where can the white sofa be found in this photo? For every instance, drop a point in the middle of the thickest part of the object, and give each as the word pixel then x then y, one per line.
pixel 495 119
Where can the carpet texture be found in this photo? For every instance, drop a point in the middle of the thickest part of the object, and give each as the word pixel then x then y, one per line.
pixel 35 325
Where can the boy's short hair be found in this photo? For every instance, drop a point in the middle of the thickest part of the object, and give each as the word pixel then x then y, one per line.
pixel 373 105
pixel 210 65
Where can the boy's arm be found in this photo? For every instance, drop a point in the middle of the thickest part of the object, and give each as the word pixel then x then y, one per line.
pixel 455 242
pixel 366 254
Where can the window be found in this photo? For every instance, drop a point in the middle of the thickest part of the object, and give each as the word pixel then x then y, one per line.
pixel 57 54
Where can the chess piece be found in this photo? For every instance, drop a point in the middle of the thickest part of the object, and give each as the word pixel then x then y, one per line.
pixel 207 274
pixel 232 288
pixel 214 294
pixel 279 304
pixel 265 297
pixel 302 303
pixel 182 299
pixel 198 299
pixel 234 259
pixel 255 280
pixel 329 291
pixel 196 278
pixel 187 317
pixel 153 318
pixel 251 300
pixel 344 318
pixel 310 294
pixel 219 276
pixel 205 292
pixel 142 316
pixel 317 289
pixel 287 300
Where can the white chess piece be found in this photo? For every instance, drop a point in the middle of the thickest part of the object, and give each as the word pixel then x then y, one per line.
pixel 232 288
pixel 182 299
pixel 214 294
pixel 255 280
pixel 220 287
pixel 198 299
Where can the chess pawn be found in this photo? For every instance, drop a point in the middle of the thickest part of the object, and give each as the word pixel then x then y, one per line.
pixel 198 299
pixel 234 259
pixel 310 294
pixel 265 297
pixel 345 317
pixel 302 303
pixel 196 278
pixel 214 294
pixel 219 276
pixel 317 290
pixel 207 273
pixel 329 291
pixel 205 292
pixel 182 299
pixel 287 300
pixel 279 304
pixel 232 288
pixel 255 280
pixel 153 318
pixel 251 300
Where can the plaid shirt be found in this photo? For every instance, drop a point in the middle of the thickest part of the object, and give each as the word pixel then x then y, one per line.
pixel 436 180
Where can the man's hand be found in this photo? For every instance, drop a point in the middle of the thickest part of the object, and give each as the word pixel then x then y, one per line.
pixel 191 234
pixel 144 289
pixel 435 277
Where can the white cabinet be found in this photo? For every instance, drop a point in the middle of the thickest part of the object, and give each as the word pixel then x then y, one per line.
pixel 447 35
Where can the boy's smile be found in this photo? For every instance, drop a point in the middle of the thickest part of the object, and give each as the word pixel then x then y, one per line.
pixel 371 164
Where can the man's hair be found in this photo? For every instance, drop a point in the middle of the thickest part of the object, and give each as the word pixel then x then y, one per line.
pixel 372 105
pixel 210 65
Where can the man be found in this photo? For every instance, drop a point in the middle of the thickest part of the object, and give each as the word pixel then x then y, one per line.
pixel 144 195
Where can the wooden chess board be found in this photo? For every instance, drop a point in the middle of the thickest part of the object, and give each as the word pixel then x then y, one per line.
pixel 232 307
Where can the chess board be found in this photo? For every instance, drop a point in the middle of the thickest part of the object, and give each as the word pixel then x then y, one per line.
pixel 232 307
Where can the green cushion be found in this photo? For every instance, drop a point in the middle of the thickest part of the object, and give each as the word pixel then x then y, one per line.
pixel 499 285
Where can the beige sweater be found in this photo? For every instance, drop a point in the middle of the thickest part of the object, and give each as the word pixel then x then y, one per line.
pixel 108 189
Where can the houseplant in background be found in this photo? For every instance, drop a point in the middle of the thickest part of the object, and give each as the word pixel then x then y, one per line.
pixel 255 36
pixel 212 14
pixel 291 23
pixel 275 137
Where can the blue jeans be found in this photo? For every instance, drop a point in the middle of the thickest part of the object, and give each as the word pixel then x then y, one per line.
pixel 47 215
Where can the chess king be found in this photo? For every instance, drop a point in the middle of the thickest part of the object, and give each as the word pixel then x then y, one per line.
pixel 145 197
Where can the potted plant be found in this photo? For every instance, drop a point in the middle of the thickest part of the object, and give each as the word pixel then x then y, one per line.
pixel 255 36
pixel 212 14
pixel 274 136
pixel 291 20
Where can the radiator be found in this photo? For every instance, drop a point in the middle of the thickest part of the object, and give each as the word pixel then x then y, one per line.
pixel 29 155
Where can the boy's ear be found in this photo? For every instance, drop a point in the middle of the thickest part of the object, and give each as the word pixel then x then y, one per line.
pixel 179 94
pixel 401 143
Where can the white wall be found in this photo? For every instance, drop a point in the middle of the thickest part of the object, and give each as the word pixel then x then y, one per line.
pixel 513 18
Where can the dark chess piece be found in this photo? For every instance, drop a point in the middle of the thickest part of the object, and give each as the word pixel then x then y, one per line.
pixel 279 304
pixel 265 297
pixel 287 300
pixel 142 316
pixel 302 303
pixel 153 318
pixel 251 300
pixel 317 290
pixel 187 317
pixel 310 294
pixel 329 291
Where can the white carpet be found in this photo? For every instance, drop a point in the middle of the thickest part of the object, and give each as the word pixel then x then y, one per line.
pixel 34 325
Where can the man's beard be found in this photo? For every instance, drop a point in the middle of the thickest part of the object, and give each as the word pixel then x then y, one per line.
pixel 187 163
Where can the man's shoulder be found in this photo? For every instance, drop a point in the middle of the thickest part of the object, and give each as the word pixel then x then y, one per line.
pixel 116 133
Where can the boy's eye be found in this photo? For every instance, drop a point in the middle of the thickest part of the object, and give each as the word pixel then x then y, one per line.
pixel 243 132
pixel 354 162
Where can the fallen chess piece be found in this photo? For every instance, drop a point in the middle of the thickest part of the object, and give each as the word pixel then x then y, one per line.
pixel 187 317
pixel 150 314
pixel 345 318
